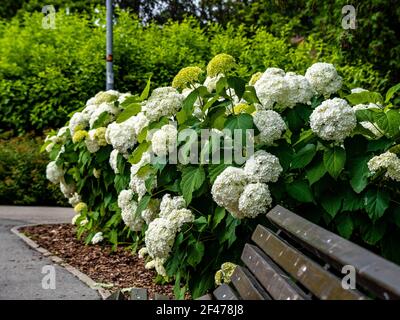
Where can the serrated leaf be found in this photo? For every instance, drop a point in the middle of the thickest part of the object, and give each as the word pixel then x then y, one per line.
pixel 195 253
pixel 345 226
pixel 304 156
pixel 145 93
pixel 315 172
pixel 359 173
pixel 376 202
pixel 192 179
pixel 219 215
pixel 300 191
pixel 332 204
pixel 250 95
pixel 334 160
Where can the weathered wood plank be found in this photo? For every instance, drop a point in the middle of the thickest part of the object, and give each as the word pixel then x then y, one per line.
pixel 247 286
pixel 374 273
pixel 315 278
pixel 273 279
pixel 225 292
pixel 138 294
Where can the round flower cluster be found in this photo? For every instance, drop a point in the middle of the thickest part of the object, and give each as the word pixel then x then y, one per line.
pixel 114 160
pixel 324 78
pixel 164 140
pixel 79 136
pixel 386 161
pixel 275 89
pixel 80 207
pixel 74 199
pixel 243 192
pixel 186 77
pixel 333 120
pixel 78 121
pixel 128 208
pixel 105 107
pixel 270 124
pixel 163 102
pixel 221 63
pixel 54 173
pixel 67 189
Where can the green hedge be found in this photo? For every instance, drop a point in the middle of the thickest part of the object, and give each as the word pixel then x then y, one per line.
pixel 23 173
pixel 45 74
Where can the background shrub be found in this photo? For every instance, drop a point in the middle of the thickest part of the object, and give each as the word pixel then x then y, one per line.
pixel 45 74
pixel 23 173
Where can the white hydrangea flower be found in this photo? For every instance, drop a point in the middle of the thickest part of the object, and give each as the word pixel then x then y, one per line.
pixel 179 217
pixel 358 90
pixel 263 167
pixel 163 102
pixel 164 140
pixel 324 78
pixel 366 106
pixel 168 204
pixel 159 238
pixel 140 122
pixel 138 184
pixel 128 208
pixel 254 200
pixel 122 136
pixel 73 221
pixel 144 160
pixel 91 142
pixel 62 131
pixel 114 160
pixel 106 96
pixel 150 265
pixel 270 124
pixel 272 89
pixel 300 90
pixel 272 72
pixel 74 199
pixel 84 222
pixel 104 107
pixel 142 252
pixel 54 173
pixel 67 189
pixel 159 266
pixel 228 187
pixel 78 121
pixel 333 120
pixel 97 238
pixel 388 161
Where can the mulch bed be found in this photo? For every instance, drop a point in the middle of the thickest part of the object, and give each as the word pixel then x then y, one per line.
pixel 120 268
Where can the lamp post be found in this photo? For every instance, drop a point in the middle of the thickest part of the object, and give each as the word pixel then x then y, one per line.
pixel 109 46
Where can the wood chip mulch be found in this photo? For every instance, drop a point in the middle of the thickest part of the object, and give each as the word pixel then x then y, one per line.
pixel 120 268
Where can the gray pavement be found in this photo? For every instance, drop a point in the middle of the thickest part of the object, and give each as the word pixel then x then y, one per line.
pixel 23 270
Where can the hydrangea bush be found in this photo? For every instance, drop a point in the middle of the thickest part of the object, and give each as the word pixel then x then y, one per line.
pixel 328 153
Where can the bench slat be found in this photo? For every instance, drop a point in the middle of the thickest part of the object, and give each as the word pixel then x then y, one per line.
pixel 376 274
pixel 274 280
pixel 225 292
pixel 247 286
pixel 205 297
pixel 158 296
pixel 320 282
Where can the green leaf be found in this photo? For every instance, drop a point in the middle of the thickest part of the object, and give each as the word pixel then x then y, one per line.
pixel 195 253
pixel 373 233
pixel 334 160
pixel 142 135
pixel 364 97
pixel 145 93
pixel 129 100
pixel 241 122
pixel 200 223
pixel 250 95
pixel 130 111
pixel 332 204
pixel 345 226
pixel 218 216
pixel 305 136
pixel 376 202
pixel 391 92
pixel 189 101
pixel 104 118
pixel 315 172
pixel 304 156
pixel 138 152
pixel 300 190
pixel 238 84
pixel 359 173
pixel 352 201
pixel 192 179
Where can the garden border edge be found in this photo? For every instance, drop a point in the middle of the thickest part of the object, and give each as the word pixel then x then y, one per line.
pixel 104 294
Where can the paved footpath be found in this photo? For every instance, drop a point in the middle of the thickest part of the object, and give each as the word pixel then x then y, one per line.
pixel 21 267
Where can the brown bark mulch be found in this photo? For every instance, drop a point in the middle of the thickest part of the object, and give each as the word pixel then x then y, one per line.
pixel 120 268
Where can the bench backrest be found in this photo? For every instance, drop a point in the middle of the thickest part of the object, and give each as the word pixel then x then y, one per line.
pixel 304 261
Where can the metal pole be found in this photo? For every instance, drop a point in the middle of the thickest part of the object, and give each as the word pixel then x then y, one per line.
pixel 109 46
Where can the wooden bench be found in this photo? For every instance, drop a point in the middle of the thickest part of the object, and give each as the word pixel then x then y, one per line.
pixel 303 261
